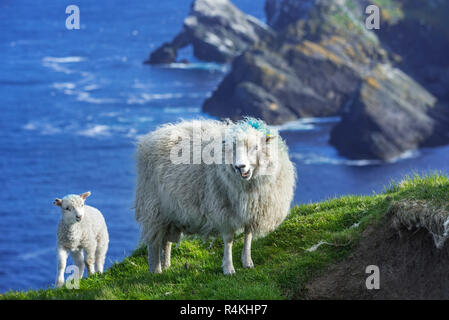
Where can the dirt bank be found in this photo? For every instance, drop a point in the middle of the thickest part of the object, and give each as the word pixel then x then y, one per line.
pixel 403 246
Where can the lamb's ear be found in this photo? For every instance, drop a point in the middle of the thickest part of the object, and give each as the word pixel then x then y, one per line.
pixel 58 202
pixel 85 195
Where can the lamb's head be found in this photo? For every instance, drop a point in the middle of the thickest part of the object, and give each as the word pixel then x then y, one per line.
pixel 254 149
pixel 72 207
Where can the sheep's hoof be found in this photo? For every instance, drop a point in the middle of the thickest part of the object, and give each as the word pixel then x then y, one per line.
pixel 228 271
pixel 248 264
pixel 156 270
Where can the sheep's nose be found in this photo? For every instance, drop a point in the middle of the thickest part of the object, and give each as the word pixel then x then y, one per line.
pixel 238 167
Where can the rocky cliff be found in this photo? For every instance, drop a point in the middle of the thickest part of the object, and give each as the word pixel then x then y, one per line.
pixel 324 62
pixel 317 59
pixel 216 29
pixel 311 69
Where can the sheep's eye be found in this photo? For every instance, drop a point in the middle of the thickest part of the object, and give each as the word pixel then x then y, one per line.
pixel 68 209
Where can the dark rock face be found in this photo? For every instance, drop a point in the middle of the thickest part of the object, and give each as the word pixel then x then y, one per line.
pixel 311 69
pixel 395 114
pixel 389 116
pixel 217 30
pixel 282 87
pixel 281 13
pixel 418 34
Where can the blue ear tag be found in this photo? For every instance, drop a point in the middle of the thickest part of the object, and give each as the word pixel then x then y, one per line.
pixel 259 125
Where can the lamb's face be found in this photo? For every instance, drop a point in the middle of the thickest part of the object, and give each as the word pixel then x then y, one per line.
pixel 72 207
pixel 254 154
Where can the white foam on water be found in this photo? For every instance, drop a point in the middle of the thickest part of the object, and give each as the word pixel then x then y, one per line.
pixel 42 128
pixel 145 119
pixel 109 114
pixel 181 110
pixel 87 97
pixel 410 154
pixel 132 133
pixel 304 124
pixel 147 97
pixel 91 87
pixel 63 85
pixel 321 120
pixel 63 59
pixel 294 126
pixel 35 254
pixel 312 158
pixel 30 126
pixel 198 65
pixel 96 130
pixel 58 64
pixel 58 68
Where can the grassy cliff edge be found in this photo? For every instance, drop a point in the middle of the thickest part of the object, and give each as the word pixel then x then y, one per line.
pixel 314 237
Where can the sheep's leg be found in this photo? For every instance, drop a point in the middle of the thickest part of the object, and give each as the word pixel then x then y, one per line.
pixel 173 234
pixel 90 260
pixel 100 255
pixel 78 257
pixel 228 267
pixel 247 262
pixel 154 258
pixel 62 261
pixel 166 254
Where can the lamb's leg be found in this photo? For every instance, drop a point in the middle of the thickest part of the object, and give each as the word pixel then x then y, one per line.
pixel 228 267
pixel 78 257
pixel 100 255
pixel 90 260
pixel 154 258
pixel 247 262
pixel 62 261
pixel 166 254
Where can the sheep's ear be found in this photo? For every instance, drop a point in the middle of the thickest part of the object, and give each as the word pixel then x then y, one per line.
pixel 269 137
pixel 58 202
pixel 85 195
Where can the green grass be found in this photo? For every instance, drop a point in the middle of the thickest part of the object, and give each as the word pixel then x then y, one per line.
pixel 283 264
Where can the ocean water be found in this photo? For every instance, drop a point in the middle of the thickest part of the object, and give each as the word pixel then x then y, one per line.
pixel 73 103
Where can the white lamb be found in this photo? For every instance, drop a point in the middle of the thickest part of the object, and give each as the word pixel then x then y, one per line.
pixel 250 190
pixel 81 227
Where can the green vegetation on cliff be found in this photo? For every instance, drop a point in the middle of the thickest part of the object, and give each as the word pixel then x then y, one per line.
pixel 286 260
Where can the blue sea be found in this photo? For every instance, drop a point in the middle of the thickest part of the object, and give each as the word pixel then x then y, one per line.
pixel 73 103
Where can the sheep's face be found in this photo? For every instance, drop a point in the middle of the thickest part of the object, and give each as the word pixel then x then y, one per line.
pixel 72 207
pixel 253 154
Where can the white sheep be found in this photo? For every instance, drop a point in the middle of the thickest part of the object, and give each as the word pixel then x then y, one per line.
pixel 81 227
pixel 248 191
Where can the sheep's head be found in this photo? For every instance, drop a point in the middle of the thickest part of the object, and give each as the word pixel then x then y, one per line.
pixel 254 150
pixel 72 207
